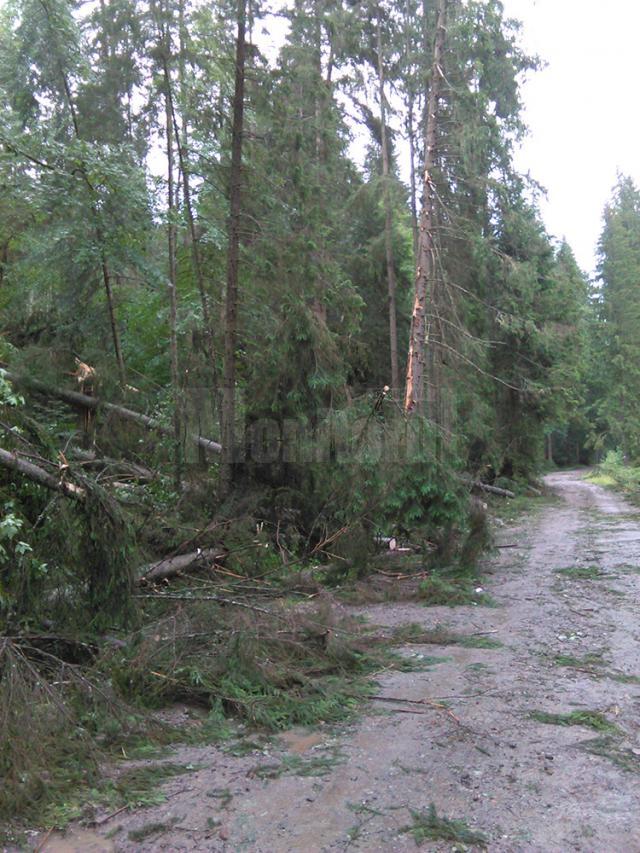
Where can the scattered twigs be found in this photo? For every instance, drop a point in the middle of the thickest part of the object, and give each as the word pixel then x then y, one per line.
pixel 218 598
pixel 437 706
pixel 43 843
pixel 109 817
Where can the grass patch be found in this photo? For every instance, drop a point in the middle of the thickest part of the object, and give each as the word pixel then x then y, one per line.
pixel 149 829
pixel 452 591
pixel 591 719
pixel 430 826
pixel 134 788
pixel 224 795
pixel 601 479
pixel 589 660
pixel 610 747
pixel 590 573
pixel 414 633
pixel 623 678
pixel 296 765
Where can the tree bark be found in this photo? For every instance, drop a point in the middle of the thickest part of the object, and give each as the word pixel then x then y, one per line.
pixel 426 261
pixel 233 258
pixel 172 271
pixel 412 139
pixel 171 566
pixel 388 219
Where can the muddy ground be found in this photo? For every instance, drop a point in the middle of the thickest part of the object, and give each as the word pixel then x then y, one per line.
pixel 458 734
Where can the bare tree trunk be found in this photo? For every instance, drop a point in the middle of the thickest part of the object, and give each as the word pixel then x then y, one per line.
pixel 180 135
pixel 412 143
pixel 412 174
pixel 233 258
pixel 388 219
pixel 104 264
pixel 173 278
pixel 426 261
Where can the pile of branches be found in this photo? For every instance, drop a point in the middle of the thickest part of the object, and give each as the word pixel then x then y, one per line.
pixel 273 667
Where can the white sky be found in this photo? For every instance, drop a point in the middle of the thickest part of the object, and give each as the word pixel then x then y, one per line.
pixel 583 110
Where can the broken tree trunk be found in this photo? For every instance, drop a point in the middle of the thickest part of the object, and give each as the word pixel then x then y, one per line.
pixel 171 566
pixel 426 261
pixel 39 475
pixel 74 398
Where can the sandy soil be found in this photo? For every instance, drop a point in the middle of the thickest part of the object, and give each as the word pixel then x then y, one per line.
pixel 528 786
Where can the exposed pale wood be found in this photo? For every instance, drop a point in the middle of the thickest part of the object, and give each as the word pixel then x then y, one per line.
pixel 492 490
pixel 171 566
pixel 414 402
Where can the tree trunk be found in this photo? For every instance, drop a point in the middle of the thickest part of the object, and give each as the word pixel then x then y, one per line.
pixel 412 140
pixel 104 264
pixel 426 261
pixel 173 275
pixel 388 220
pixel 233 257
pixel 171 566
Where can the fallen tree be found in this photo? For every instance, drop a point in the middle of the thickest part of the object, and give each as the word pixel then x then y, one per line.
pixel 33 472
pixel 83 401
pixel 171 566
pixel 485 487
pixel 89 459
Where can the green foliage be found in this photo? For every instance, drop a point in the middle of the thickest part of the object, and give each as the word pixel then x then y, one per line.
pixel 430 826
pixel 592 719
pixel 440 636
pixel 614 470
pixel 309 669
pixel 591 573
pixel 450 591
pixel 615 374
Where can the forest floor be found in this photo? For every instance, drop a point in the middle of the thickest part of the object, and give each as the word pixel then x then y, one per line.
pixel 533 741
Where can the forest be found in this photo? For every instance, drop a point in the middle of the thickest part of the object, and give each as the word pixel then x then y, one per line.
pixel 274 299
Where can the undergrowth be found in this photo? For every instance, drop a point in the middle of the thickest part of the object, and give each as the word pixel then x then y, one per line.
pixel 271 668
pixel 614 472
pixel 274 669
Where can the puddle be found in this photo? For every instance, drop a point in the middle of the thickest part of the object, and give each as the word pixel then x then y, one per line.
pixel 77 841
pixel 298 741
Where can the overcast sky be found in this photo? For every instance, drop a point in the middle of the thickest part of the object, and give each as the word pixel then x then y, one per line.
pixel 583 109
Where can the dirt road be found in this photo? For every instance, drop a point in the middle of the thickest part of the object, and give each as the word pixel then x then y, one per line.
pixel 570 646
